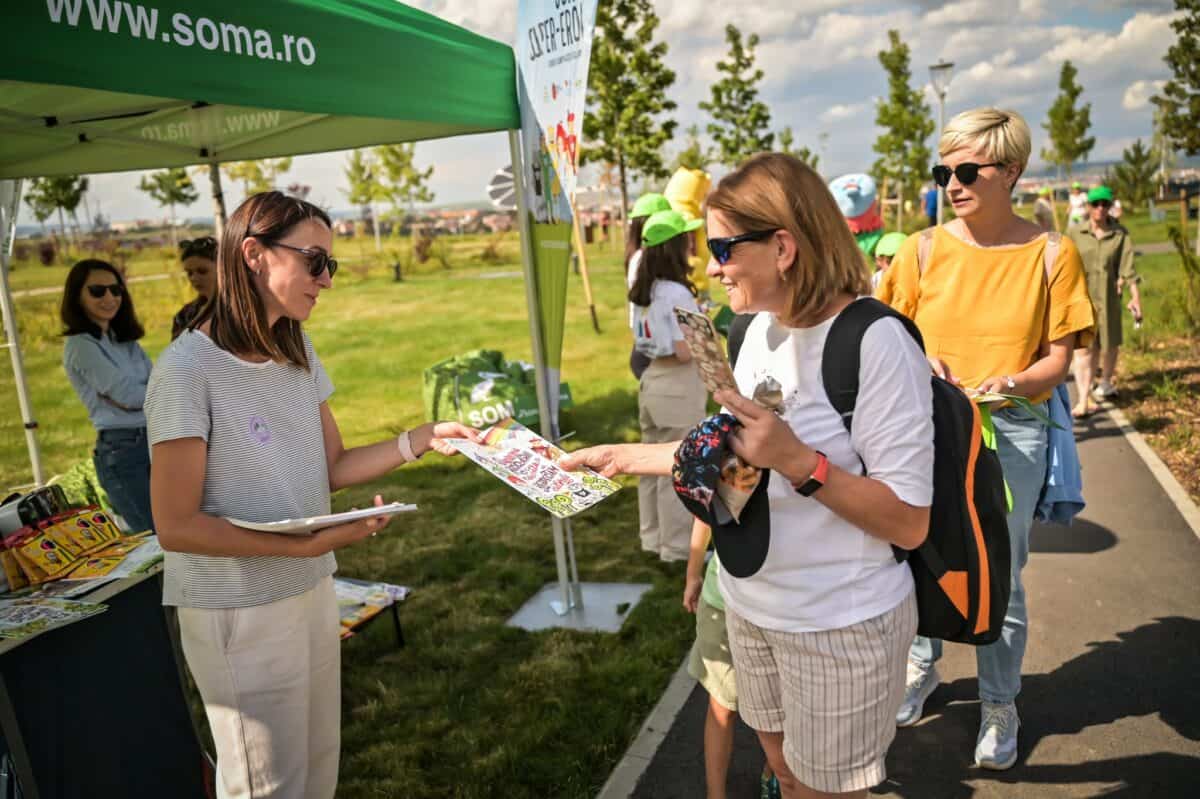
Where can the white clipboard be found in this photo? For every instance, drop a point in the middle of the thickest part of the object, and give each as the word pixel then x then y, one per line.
pixel 314 523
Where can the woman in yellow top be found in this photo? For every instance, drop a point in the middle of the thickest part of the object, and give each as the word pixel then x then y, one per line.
pixel 994 318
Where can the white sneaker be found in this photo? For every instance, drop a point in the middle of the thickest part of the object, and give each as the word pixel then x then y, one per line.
pixel 996 747
pixel 918 686
pixel 1104 390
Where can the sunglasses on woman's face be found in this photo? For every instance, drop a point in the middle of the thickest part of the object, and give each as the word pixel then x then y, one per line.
pixel 97 289
pixel 966 173
pixel 722 249
pixel 318 260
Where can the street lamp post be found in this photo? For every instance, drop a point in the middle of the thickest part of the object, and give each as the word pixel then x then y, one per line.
pixel 939 78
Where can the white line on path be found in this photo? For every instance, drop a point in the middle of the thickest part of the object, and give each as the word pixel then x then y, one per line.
pixel 1174 491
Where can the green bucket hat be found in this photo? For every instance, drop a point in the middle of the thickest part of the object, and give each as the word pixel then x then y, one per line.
pixel 1100 194
pixel 649 204
pixel 663 226
pixel 889 245
pixel 1077 185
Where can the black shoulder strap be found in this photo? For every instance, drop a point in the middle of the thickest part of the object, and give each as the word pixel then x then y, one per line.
pixel 737 334
pixel 842 355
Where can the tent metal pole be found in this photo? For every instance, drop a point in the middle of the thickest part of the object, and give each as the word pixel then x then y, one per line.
pixel 8 222
pixel 539 356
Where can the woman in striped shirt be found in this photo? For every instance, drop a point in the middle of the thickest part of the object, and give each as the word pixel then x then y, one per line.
pixel 240 427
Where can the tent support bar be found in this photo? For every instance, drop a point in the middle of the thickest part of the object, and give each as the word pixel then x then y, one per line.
pixel 549 425
pixel 8 223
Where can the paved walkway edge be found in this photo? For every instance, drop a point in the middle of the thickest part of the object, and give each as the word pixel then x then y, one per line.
pixel 625 776
pixel 1175 492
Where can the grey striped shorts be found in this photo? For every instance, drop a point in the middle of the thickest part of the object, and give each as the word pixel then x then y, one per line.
pixel 832 693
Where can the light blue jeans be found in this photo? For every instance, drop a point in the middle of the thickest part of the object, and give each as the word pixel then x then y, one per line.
pixel 1021 445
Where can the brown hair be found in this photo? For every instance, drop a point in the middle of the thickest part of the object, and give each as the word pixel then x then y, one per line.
pixel 773 190
pixel 123 327
pixel 239 318
pixel 666 261
pixel 633 236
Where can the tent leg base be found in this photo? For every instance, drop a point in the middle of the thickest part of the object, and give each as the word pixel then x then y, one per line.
pixel 604 608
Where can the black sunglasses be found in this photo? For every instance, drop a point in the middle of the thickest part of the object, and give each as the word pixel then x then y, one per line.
pixel 1102 204
pixel 966 173
pixel 97 289
pixel 722 249
pixel 318 260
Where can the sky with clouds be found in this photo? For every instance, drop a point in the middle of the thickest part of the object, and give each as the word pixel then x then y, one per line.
pixel 822 76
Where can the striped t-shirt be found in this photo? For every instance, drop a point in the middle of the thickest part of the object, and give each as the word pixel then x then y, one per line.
pixel 266 462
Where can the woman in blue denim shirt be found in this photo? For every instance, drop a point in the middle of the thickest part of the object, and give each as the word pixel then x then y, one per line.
pixel 109 371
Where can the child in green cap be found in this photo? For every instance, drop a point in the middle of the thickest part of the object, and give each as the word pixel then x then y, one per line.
pixel 646 205
pixel 671 398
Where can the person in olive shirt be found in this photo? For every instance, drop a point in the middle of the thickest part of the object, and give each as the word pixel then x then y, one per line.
pixel 1107 253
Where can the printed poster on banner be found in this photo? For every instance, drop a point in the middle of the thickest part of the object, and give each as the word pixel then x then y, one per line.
pixel 554 48
pixel 528 463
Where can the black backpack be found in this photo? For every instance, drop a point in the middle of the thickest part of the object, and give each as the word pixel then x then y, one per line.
pixel 962 570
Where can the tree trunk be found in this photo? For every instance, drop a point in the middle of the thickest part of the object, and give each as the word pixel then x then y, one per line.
pixel 171 224
pixel 214 179
pixel 624 196
pixel 62 230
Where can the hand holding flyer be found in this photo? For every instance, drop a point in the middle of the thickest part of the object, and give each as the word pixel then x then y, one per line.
pixel 528 463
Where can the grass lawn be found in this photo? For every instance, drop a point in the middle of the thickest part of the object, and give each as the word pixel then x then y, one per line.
pixel 470 708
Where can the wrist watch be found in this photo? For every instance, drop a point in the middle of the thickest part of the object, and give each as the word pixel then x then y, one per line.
pixel 1009 383
pixel 816 479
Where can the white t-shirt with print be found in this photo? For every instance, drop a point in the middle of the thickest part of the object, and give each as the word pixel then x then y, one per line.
pixel 822 572
pixel 655 329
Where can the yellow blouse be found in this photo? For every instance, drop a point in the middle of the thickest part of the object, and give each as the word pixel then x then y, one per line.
pixel 985 311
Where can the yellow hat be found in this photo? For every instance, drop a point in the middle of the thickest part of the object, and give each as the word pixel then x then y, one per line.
pixel 687 189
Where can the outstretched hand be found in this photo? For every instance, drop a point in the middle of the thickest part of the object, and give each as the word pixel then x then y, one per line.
pixel 431 436
pixel 605 459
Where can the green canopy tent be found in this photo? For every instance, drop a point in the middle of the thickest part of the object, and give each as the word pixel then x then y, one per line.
pixel 100 86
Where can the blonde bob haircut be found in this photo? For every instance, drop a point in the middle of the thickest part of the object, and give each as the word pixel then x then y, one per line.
pixel 777 191
pixel 1002 135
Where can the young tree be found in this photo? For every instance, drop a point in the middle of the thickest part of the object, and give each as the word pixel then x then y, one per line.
pixel 1068 123
pixel 694 155
pixel 62 193
pixel 401 182
pixel 362 176
pixel 740 119
pixel 904 154
pixel 170 187
pixel 1162 150
pixel 1179 101
pixel 787 139
pixel 1133 179
pixel 258 176
pixel 626 125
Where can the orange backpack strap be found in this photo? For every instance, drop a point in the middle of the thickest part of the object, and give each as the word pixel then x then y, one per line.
pixel 924 246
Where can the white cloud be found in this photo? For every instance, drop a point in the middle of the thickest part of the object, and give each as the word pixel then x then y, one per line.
pixel 840 112
pixel 1138 95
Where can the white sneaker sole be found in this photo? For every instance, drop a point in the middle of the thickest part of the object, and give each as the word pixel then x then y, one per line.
pixel 998 766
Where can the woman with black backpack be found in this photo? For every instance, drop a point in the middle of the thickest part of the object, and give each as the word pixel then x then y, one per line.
pixel 820 612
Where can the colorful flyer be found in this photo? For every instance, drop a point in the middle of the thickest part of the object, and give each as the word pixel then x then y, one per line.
pixel 527 462
pixel 32 615
pixel 701 337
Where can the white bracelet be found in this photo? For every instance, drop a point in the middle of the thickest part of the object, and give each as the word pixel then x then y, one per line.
pixel 404 444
